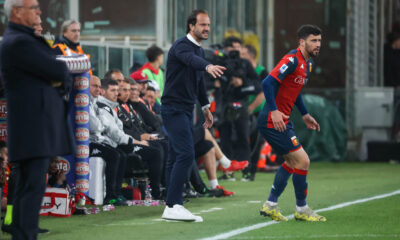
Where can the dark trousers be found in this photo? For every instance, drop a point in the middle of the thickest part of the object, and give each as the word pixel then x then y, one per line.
pixel 179 126
pixel 151 156
pixel 112 158
pixel 30 186
pixel 241 126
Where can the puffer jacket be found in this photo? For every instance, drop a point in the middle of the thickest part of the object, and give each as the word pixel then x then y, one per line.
pixel 113 128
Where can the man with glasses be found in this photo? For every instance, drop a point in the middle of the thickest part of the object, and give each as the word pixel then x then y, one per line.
pixel 40 132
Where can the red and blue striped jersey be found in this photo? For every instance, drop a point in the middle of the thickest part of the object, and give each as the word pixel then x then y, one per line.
pixel 292 73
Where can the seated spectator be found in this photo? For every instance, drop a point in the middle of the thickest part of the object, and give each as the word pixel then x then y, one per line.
pixel 130 146
pixel 114 74
pixel 101 147
pixel 139 105
pixel 150 99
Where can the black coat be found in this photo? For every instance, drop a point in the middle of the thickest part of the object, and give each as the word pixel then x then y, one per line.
pixel 36 111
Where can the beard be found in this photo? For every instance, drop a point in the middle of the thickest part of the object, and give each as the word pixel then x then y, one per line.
pixel 312 52
pixel 200 36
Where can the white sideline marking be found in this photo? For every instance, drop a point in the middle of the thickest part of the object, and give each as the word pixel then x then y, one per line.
pixel 264 224
pixel 208 210
pixel 363 236
pixel 258 201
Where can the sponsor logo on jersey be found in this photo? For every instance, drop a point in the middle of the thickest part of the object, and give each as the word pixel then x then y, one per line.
pixel 82 151
pixel 82 185
pixel 81 100
pixel 302 67
pixel 81 168
pixel 291 59
pixel 283 68
pixel 82 134
pixel 81 117
pixel 63 165
pixel 3 131
pixel 294 141
pixel 81 83
pixel 3 109
pixel 300 80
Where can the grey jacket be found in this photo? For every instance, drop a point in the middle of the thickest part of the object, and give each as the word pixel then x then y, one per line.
pixel 105 127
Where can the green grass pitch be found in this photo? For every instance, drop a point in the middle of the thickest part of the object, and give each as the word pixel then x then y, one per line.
pixel 329 184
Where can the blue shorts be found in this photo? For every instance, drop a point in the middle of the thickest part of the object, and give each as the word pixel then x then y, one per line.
pixel 281 142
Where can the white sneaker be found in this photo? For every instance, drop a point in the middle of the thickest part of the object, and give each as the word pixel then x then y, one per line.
pixel 179 213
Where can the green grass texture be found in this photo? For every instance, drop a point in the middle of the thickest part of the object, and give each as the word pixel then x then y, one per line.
pixel 328 184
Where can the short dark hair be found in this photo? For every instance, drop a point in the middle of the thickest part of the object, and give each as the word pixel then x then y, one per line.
pixel 132 82
pixel 192 19
pixel 153 52
pixel 228 42
pixel 151 89
pixel 107 82
pixel 307 30
pixel 251 49
pixel 111 71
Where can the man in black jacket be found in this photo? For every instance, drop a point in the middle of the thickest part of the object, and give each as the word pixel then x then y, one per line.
pixel 40 131
pixel 68 41
pixel 184 84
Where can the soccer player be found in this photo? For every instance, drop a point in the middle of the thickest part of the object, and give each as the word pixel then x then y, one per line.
pixel 282 90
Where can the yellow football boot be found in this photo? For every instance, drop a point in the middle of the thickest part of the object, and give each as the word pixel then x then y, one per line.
pixel 307 214
pixel 273 212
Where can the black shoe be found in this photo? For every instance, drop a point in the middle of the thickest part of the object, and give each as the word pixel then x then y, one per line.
pixel 7 228
pixel 121 201
pixel 43 230
pixel 213 193
pixel 248 177
pixel 190 193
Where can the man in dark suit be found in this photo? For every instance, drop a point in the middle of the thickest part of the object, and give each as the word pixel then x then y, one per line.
pixel 37 122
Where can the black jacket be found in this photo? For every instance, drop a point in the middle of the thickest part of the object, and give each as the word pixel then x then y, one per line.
pixel 37 112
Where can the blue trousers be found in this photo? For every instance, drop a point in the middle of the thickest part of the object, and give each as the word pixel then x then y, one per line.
pixel 178 124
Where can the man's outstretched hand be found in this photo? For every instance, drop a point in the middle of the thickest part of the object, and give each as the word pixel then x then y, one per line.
pixel 215 70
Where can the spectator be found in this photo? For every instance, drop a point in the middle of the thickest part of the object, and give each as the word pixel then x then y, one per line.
pixel 100 147
pixel 115 74
pixel 151 69
pixel 150 98
pixel 139 105
pixel 130 147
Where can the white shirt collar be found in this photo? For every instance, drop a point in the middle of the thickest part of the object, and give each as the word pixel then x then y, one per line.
pixel 190 37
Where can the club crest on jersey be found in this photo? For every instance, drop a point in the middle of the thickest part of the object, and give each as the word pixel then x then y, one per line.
pixel 283 68
pixel 294 141
pixel 302 67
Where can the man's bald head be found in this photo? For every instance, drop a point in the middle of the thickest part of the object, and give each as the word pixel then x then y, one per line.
pixel 95 86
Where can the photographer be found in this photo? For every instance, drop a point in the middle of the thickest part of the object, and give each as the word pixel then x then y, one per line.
pixel 232 93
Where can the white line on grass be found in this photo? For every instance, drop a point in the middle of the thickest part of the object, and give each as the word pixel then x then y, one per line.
pixel 340 236
pixel 264 224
